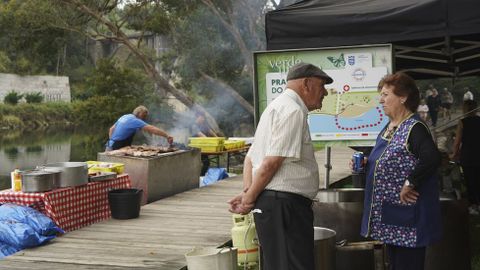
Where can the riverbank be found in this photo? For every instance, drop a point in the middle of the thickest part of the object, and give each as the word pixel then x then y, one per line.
pixel 34 116
pixel 97 111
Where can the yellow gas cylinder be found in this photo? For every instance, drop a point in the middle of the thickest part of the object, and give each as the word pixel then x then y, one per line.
pixel 244 239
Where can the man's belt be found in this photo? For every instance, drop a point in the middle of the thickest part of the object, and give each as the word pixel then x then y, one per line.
pixel 286 195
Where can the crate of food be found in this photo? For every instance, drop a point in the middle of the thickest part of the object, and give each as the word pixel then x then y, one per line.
pixel 240 143
pixel 207 140
pixel 229 145
pixel 99 166
pixel 205 148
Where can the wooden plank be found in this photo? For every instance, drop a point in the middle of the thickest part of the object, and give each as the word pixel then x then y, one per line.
pixel 158 239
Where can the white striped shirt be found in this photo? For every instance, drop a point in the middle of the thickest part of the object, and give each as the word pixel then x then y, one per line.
pixel 283 131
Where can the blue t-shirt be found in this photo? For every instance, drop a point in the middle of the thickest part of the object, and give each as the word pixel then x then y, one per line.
pixel 125 127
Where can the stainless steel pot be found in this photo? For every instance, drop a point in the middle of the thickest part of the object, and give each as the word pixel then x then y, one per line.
pixel 72 173
pixel 324 253
pixel 39 180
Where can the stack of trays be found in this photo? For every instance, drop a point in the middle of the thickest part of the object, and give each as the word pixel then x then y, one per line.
pixel 99 166
pixel 234 144
pixel 207 144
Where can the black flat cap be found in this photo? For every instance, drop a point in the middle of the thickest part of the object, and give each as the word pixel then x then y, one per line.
pixel 304 70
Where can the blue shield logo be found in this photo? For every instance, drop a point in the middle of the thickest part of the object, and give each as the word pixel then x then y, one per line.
pixel 351 60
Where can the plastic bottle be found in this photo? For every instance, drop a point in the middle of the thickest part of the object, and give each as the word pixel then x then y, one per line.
pixel 17 180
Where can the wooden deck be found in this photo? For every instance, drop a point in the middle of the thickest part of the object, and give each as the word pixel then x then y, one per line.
pixel 158 239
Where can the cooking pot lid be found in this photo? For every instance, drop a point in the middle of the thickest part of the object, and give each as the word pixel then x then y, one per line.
pixel 69 164
pixel 39 172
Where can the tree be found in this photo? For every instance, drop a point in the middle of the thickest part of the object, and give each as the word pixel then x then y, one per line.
pixel 229 29
pixel 102 20
pixel 28 44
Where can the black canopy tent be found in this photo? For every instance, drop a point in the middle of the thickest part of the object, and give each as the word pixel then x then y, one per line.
pixel 431 38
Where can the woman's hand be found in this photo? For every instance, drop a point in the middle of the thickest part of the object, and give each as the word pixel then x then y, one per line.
pixel 408 194
pixel 364 164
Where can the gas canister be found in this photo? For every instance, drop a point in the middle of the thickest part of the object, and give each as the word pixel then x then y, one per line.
pixel 244 239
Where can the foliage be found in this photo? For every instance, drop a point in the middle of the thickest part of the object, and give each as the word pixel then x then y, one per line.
pixel 31 44
pixel 111 79
pixel 210 37
pixel 12 98
pixel 100 110
pixel 36 97
pixel 11 122
pixel 5 62
pixel 37 115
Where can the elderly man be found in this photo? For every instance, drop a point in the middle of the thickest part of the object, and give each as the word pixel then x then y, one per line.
pixel 280 176
pixel 122 132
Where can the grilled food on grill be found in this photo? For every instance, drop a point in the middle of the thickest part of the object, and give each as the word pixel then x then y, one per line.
pixel 142 151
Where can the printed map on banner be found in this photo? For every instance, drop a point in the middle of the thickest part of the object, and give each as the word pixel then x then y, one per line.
pixel 351 110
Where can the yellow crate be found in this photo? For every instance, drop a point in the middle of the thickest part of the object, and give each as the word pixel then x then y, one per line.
pixel 99 166
pixel 205 148
pixel 240 143
pixel 207 140
pixel 230 145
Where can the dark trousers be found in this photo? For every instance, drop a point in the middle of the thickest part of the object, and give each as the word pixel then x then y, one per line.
pixel 403 258
pixel 205 164
pixel 285 231
pixel 433 115
pixel 473 184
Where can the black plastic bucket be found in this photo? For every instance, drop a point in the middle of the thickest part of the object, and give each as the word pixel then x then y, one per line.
pixel 125 203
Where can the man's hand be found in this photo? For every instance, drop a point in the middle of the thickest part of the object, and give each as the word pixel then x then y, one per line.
pixel 236 205
pixel 408 195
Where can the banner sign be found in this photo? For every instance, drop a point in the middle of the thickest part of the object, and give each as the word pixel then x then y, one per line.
pixel 351 110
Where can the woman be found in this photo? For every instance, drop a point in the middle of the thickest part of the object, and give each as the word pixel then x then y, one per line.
pixel 467 147
pixel 401 195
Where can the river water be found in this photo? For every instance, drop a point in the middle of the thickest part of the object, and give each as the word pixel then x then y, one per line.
pixel 27 149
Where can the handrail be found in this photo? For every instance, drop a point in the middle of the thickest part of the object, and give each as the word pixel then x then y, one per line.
pixel 455 119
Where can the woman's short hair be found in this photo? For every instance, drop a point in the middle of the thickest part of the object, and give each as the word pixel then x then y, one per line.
pixel 139 110
pixel 403 86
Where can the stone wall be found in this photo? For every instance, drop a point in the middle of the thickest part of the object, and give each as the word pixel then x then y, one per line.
pixel 53 88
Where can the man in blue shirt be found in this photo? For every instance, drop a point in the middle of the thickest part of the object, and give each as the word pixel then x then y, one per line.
pixel 122 132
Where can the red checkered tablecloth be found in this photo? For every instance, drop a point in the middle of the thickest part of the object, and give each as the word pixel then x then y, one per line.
pixel 73 207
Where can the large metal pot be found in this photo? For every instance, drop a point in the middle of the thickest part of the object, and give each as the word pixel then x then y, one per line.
pixel 341 210
pixel 324 240
pixel 39 180
pixel 72 173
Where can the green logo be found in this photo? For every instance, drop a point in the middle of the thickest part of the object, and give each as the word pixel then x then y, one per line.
pixel 337 62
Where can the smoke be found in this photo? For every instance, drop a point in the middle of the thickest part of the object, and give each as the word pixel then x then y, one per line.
pixel 233 120
pixel 177 125
pixel 229 114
